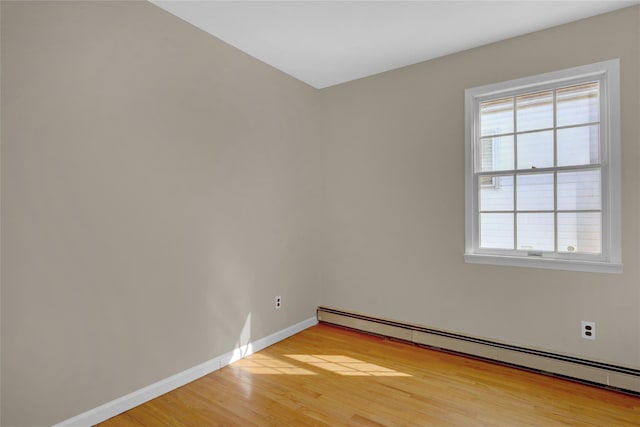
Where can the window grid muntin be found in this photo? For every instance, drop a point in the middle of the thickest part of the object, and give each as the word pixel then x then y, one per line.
pixel 554 88
pixel 555 172
pixel 515 186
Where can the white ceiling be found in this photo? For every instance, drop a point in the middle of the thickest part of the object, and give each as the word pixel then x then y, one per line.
pixel 324 43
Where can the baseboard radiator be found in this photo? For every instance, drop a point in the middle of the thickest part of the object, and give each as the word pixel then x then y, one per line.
pixel 620 378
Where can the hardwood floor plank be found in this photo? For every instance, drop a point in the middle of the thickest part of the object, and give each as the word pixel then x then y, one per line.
pixel 122 420
pixel 328 376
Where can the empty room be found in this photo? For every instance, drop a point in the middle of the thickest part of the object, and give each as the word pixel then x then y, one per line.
pixel 317 213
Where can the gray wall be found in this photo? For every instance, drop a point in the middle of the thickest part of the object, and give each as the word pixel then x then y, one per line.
pixel 396 201
pixel 158 187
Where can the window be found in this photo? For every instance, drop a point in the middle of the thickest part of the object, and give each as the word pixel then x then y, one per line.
pixel 543 171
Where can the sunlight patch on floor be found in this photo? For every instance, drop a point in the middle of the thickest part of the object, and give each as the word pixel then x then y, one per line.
pixel 261 364
pixel 344 365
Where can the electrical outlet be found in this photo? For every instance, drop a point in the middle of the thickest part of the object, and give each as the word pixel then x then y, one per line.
pixel 588 330
pixel 278 302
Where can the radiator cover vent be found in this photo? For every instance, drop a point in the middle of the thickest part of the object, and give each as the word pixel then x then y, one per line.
pixel 615 377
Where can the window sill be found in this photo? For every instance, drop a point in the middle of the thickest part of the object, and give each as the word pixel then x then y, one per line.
pixel 547 263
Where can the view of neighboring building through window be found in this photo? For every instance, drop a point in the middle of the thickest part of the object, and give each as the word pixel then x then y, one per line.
pixel 542 167
pixel 518 210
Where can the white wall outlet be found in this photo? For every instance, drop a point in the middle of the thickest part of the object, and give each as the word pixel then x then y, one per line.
pixel 278 302
pixel 588 330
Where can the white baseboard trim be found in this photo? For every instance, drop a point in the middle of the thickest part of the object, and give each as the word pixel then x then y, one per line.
pixel 138 397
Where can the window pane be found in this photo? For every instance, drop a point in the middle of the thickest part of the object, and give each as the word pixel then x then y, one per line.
pixel 496 117
pixel 535 150
pixel 534 111
pixel 579 190
pixel 580 232
pixel 579 146
pixel 496 193
pixel 496 230
pixel 578 104
pixel 535 231
pixel 496 153
pixel 535 192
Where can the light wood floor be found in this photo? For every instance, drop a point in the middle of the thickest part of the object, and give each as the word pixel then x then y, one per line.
pixel 327 376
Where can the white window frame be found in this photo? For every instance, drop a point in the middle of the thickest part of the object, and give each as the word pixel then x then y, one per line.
pixel 610 261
